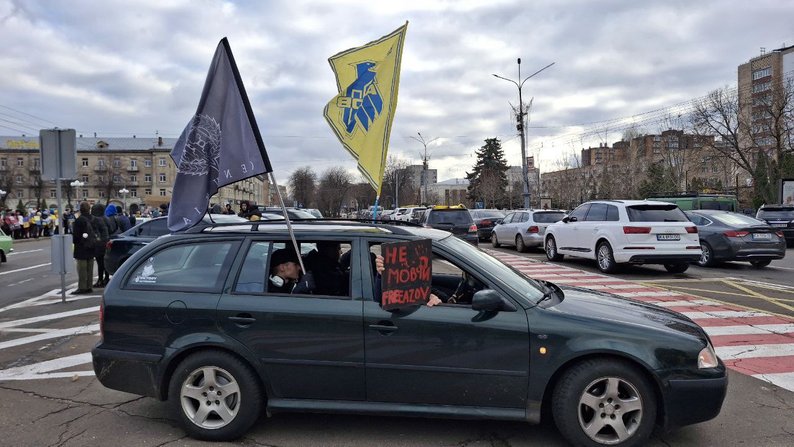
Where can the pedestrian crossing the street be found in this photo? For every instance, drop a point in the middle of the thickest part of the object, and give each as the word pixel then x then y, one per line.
pixel 751 342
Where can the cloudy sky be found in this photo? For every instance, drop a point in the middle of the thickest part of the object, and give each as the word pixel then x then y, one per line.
pixel 122 68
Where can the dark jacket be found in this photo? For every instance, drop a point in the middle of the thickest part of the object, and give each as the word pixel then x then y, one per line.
pixel 100 224
pixel 329 276
pixel 81 226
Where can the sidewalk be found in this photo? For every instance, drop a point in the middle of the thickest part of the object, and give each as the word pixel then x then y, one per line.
pixel 755 343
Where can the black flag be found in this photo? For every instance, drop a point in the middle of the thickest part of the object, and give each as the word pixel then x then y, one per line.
pixel 220 145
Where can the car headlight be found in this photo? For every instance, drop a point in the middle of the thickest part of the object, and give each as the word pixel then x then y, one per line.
pixel 707 358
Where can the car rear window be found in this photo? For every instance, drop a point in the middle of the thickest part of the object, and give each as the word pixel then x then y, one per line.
pixel 776 213
pixel 548 216
pixel 656 213
pixel 737 220
pixel 483 214
pixel 454 217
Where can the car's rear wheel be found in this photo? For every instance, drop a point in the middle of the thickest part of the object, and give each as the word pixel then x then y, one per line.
pixel 605 258
pixel 760 264
pixel 494 241
pixel 604 402
pixel 551 250
pixel 520 247
pixel 706 255
pixel 215 396
pixel 679 267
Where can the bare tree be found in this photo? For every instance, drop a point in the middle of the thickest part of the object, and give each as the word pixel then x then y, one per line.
pixel 363 193
pixel 398 182
pixel 303 186
pixel 109 178
pixel 334 186
pixel 6 183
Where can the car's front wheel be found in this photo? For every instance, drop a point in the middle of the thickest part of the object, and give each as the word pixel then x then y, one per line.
pixel 679 267
pixel 215 396
pixel 551 250
pixel 605 258
pixel 494 241
pixel 706 255
pixel 604 402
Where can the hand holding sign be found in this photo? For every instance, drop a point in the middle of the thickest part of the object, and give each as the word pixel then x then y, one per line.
pixel 407 274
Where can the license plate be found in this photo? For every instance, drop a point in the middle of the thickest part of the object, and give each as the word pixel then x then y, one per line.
pixel 780 225
pixel 668 237
pixel 762 236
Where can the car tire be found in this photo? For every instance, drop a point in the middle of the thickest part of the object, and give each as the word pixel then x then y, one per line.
pixel 760 264
pixel 520 247
pixel 605 259
pixel 604 402
pixel 679 267
pixel 707 255
pixel 551 250
pixel 495 242
pixel 235 387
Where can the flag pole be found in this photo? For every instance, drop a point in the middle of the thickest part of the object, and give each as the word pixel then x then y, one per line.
pixel 289 225
pixel 375 210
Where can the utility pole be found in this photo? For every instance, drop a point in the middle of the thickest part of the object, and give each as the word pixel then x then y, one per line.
pixel 425 158
pixel 521 125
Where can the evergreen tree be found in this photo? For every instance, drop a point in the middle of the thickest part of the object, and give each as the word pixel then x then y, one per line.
pixel 488 179
pixel 658 181
pixel 21 207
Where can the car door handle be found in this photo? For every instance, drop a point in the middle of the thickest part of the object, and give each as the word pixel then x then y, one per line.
pixel 243 319
pixel 384 327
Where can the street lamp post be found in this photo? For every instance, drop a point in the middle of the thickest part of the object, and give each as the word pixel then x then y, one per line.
pixel 521 114
pixel 76 184
pixel 124 191
pixel 3 196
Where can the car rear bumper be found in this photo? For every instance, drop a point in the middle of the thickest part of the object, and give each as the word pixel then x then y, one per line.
pixel 648 258
pixel 692 401
pixel 132 372
pixel 484 233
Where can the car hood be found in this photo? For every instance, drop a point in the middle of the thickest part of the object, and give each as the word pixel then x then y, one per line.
pixel 590 305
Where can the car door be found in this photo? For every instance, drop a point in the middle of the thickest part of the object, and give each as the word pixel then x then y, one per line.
pixel 310 346
pixel 590 227
pixel 567 233
pixel 448 354
pixel 503 229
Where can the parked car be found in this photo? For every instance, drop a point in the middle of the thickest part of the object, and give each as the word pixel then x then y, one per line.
pixel 121 247
pixel 485 220
pixel 406 215
pixel 397 215
pixel 189 320
pixel 524 228
pixel 455 219
pixel 780 217
pixel 6 246
pixel 314 212
pixel 614 232
pixel 726 236
pixel 416 215
pixel 701 201
pixel 293 213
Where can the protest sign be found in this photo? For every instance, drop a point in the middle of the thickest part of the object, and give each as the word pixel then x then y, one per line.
pixel 407 275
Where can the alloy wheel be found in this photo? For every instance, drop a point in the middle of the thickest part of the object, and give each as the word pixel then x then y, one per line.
pixel 210 397
pixel 610 410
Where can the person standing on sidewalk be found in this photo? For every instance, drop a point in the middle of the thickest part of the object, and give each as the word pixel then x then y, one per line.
pixel 100 224
pixel 84 240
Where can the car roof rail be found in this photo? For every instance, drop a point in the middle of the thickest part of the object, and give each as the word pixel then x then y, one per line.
pixel 256 223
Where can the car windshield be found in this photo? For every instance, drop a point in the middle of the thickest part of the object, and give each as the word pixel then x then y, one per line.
pixel 495 268
pixel 776 213
pixel 736 220
pixel 656 213
pixel 548 216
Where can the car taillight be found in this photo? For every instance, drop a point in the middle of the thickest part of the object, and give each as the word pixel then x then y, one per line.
pixel 485 223
pixel 108 245
pixel 779 234
pixel 472 228
pixel 636 230
pixel 732 233
pixel 533 229
pixel 691 229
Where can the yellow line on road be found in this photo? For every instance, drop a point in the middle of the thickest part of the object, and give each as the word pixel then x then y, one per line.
pixel 707 290
pixel 770 300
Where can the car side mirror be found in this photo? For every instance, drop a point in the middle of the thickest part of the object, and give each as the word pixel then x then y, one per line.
pixel 489 300
pixel 572 219
pixel 565 219
pixel 498 221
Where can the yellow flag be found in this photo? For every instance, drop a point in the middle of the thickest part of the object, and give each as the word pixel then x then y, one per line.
pixel 361 115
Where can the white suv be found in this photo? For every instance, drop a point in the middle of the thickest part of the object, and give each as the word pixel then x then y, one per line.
pixel 625 231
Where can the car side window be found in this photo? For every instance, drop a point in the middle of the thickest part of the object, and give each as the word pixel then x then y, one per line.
pixel 155 228
pixel 194 266
pixel 508 218
pixel 524 217
pixel 597 213
pixel 580 212
pixel 612 213
pixel 253 274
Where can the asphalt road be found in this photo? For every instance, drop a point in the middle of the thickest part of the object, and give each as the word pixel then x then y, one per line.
pixel 61 403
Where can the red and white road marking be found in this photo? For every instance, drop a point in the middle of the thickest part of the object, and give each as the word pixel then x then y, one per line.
pixel 751 342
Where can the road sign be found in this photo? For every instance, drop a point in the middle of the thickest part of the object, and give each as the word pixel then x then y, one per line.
pixel 58 153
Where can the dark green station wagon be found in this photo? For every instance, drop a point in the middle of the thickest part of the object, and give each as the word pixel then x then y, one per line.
pixel 190 319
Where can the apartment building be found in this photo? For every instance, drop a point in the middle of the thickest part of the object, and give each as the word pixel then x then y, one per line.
pixel 135 172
